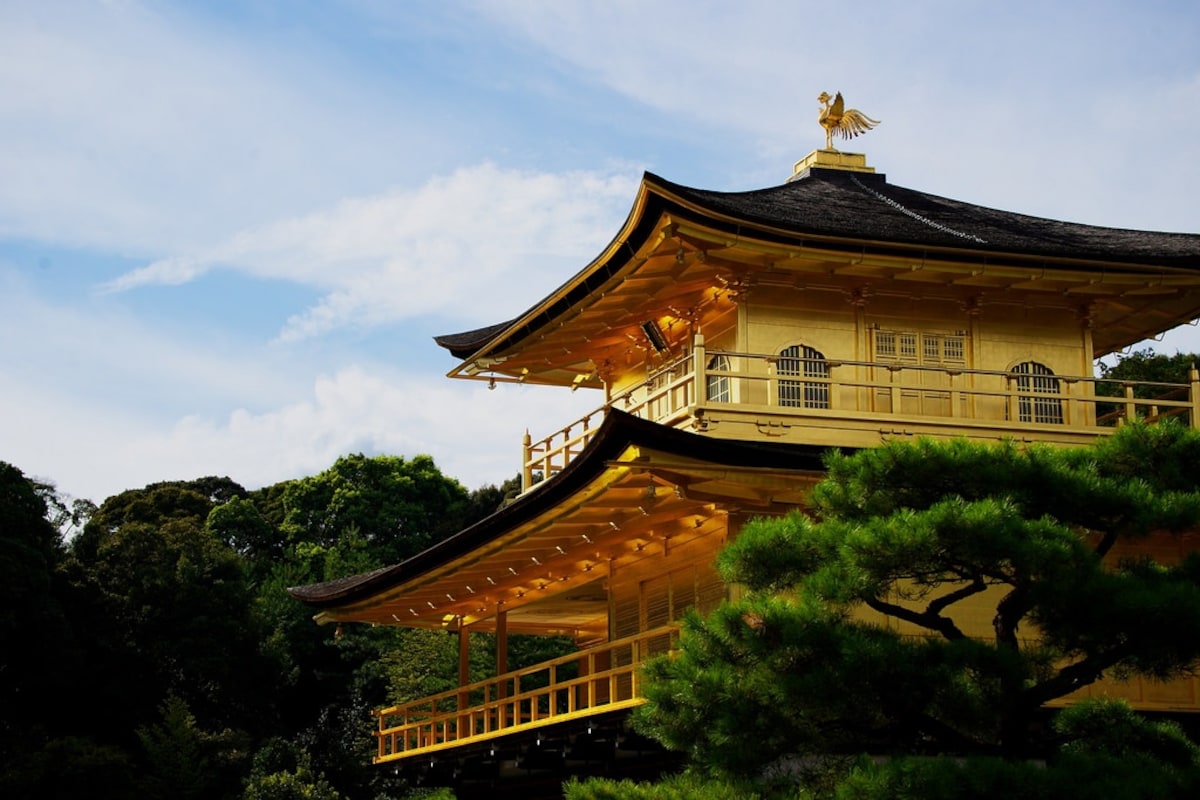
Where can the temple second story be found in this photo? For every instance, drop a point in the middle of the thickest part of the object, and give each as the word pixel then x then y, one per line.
pixel 839 309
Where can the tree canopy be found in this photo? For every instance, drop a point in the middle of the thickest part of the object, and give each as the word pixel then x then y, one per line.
pixel 157 653
pixel 937 597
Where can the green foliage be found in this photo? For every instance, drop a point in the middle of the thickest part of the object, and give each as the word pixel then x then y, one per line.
pixel 178 590
pixel 1145 368
pixel 300 784
pixel 1096 777
pixel 1150 367
pixel 183 761
pixel 424 663
pixel 398 507
pixel 152 505
pixel 426 793
pixel 907 535
pixel 1112 727
pixel 179 599
pixel 70 766
pixel 240 525
pixel 687 786
pixel 36 654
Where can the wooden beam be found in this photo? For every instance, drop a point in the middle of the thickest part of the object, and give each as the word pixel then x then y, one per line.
pixel 501 647
pixel 464 656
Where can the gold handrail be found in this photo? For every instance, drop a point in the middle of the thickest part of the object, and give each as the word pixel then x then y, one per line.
pixel 676 392
pixel 568 687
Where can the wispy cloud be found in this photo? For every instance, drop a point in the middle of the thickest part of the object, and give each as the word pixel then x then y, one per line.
pixel 137 127
pixel 459 161
pixel 484 235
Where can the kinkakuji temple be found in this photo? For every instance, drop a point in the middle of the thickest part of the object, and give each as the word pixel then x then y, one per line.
pixel 737 336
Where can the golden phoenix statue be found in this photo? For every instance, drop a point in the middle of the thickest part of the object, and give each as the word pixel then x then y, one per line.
pixel 845 122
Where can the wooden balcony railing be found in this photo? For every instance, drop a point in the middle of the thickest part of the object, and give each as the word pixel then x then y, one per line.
pixel 861 396
pixel 604 678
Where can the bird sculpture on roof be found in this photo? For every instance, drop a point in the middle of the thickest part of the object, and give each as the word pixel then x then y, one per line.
pixel 845 122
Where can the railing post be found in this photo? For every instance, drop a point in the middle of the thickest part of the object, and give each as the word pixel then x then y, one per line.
pixel 1194 394
pixel 772 389
pixel 699 365
pixel 526 457
pixel 591 684
pixel 1069 404
pixel 894 389
pixel 1130 407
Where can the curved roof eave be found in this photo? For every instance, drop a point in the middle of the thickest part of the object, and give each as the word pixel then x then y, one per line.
pixel 619 431
pixel 848 211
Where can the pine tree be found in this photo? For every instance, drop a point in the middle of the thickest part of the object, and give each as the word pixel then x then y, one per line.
pixel 937 597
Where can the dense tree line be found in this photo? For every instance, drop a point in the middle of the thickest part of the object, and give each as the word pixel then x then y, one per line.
pixel 148 645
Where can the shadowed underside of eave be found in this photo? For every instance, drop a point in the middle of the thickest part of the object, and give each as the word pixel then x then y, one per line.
pixel 638 489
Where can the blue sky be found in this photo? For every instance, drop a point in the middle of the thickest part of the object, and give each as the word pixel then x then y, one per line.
pixel 229 230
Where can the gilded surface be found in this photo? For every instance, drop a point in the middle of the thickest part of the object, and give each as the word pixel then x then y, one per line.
pixel 835 118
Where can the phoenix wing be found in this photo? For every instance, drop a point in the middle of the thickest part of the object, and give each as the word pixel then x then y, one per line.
pixel 837 109
pixel 854 122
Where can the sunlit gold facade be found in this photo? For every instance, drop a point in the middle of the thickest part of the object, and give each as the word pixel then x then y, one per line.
pixel 717 323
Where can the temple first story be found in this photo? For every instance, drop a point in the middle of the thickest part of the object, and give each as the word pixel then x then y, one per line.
pixel 611 553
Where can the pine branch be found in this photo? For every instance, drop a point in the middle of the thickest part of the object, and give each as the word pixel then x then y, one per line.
pixel 1075 676
pixel 962 593
pixel 931 621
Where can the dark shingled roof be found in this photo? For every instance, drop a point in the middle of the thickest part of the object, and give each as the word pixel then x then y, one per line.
pixel 618 431
pixel 863 212
pixel 463 344
pixel 831 202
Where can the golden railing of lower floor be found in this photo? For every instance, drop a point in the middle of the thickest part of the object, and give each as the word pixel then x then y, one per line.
pixel 604 678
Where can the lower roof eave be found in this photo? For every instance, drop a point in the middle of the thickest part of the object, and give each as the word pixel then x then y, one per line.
pixel 763 475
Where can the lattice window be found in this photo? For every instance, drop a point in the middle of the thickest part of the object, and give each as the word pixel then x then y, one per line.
pixel 1034 379
pixel 803 361
pixel 954 349
pixel 921 348
pixel 719 390
pixel 885 345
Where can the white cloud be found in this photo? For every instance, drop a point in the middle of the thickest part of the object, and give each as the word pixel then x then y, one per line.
pixel 155 129
pixel 135 127
pixel 92 452
pixel 988 103
pixel 483 237
pixel 360 410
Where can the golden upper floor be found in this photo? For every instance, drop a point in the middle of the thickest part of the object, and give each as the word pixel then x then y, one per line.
pixel 838 309
pixel 830 249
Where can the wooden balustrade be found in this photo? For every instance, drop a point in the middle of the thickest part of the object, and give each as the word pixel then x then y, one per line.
pixel 871 393
pixel 604 678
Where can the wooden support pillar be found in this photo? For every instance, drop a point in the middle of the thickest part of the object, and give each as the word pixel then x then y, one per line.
pixel 501 642
pixel 504 715
pixel 1194 395
pixel 463 728
pixel 464 656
